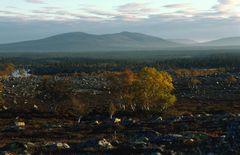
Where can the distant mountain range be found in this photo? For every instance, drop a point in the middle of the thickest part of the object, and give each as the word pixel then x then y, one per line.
pixel 231 41
pixel 124 41
pixel 184 41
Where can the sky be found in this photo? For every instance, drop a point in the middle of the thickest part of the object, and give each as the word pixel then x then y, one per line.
pixel 199 20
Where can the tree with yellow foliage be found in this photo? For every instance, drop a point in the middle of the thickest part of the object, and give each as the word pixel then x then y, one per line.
pixel 122 88
pixel 1 92
pixel 153 89
pixel 7 70
pixel 144 90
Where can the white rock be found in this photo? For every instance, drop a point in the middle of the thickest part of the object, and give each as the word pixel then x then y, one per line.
pixel 97 122
pixel 35 106
pixel 63 146
pixel 117 120
pixel 20 124
pixel 5 108
pixel 105 144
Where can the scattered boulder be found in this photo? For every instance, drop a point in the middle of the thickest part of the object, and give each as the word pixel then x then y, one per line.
pixel 189 141
pixel 20 124
pixel 97 122
pixel 105 144
pixel 56 146
pixel 117 120
pixel 63 146
pixel 35 107
pixel 5 108
pixel 140 142
pixel 93 144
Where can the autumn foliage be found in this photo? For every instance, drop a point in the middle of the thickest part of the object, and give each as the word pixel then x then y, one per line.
pixel 198 72
pixel 7 70
pixel 144 90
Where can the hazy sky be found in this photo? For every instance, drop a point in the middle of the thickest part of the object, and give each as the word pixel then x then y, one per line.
pixel 193 19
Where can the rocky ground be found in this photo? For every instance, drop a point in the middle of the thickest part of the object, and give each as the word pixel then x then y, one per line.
pixel 206 122
pixel 203 133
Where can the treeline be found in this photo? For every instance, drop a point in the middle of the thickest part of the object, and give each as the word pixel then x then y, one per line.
pixel 212 61
pixel 70 65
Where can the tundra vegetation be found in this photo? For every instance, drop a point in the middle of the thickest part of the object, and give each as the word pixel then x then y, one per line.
pixel 125 90
pixel 82 105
